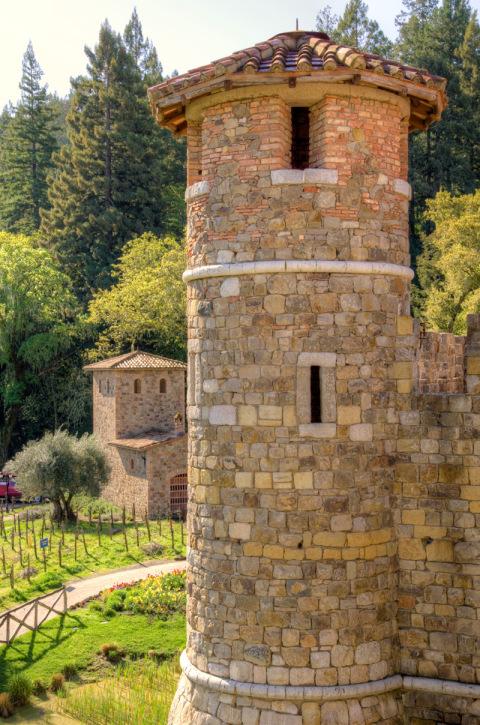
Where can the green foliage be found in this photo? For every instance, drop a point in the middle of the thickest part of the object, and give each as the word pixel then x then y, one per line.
pixel 354 28
pixel 20 689
pixel 442 37
pixel 96 557
pixel 108 183
pixel 26 149
pixel 59 466
pixel 36 307
pixel 454 256
pixel 146 305
pixel 43 653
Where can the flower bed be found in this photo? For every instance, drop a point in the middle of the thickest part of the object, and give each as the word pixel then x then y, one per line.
pixel 158 596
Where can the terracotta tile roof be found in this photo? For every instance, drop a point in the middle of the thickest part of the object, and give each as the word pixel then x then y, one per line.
pixel 145 440
pixel 298 54
pixel 136 360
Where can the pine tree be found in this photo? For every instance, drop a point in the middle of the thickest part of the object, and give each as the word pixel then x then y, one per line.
pixel 27 143
pixel 356 29
pixel 326 20
pixel 107 185
pixel 170 152
pixel 430 36
pixel 143 51
pixel 469 56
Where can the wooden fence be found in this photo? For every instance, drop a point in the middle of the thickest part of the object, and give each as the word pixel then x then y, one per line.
pixel 31 615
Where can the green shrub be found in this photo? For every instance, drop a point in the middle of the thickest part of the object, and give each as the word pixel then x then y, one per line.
pixel 6 705
pixel 57 682
pixel 20 689
pixel 115 600
pixel 69 670
pixel 95 606
pixel 48 580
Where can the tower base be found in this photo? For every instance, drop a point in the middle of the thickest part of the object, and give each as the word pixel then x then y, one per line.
pixel 203 699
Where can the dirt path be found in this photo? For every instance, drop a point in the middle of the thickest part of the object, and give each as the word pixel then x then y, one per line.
pixel 81 589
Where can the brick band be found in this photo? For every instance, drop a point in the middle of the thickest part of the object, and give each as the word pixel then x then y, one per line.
pixel 325 693
pixel 298 265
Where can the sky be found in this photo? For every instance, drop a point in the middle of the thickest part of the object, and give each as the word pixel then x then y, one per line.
pixel 187 33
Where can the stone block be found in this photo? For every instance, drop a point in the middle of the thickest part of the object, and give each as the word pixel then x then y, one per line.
pixel 334 713
pixel 230 287
pixel 222 415
pixel 349 414
pixel 303 479
pixel 411 549
pixel 473 365
pixel 239 531
pixel 367 653
pixel 247 415
pixel 404 325
pixel 361 432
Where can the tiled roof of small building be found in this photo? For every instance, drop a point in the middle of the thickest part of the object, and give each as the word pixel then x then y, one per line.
pixel 136 360
pixel 295 55
pixel 146 440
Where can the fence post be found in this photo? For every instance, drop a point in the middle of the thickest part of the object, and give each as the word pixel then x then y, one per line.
pixel 8 629
pixel 64 599
pixel 36 613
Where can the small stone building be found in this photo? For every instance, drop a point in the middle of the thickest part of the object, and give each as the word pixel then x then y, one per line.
pixel 139 416
pixel 334 449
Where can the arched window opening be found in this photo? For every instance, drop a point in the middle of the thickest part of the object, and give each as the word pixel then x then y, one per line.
pixel 137 386
pixel 163 385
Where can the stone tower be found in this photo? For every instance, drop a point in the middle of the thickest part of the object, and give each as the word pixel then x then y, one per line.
pixel 301 350
pixel 139 418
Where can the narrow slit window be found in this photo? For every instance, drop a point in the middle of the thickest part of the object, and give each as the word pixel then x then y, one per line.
pixel 300 137
pixel 163 385
pixel 137 386
pixel 315 395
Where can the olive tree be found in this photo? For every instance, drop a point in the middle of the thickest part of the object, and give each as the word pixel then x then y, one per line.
pixel 59 466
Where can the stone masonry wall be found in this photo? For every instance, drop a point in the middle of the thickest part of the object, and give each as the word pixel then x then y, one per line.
pixel 343 552
pixel 165 461
pixel 438 474
pixel 440 363
pixel 150 409
pixel 292 576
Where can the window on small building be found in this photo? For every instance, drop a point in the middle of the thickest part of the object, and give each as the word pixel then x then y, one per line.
pixel 132 464
pixel 163 385
pixel 300 137
pixel 315 395
pixel 137 385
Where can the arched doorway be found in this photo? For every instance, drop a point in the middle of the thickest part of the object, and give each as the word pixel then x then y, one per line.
pixel 178 495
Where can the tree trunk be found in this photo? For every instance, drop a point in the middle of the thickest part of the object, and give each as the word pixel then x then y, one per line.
pixel 6 433
pixel 58 514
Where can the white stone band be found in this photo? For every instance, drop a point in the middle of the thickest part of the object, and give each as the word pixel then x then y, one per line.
pixel 327 692
pixel 198 189
pixel 298 265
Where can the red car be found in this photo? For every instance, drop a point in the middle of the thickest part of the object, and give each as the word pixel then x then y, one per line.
pixel 8 488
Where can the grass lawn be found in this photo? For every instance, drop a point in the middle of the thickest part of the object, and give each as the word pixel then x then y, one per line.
pixel 76 637
pixel 65 560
